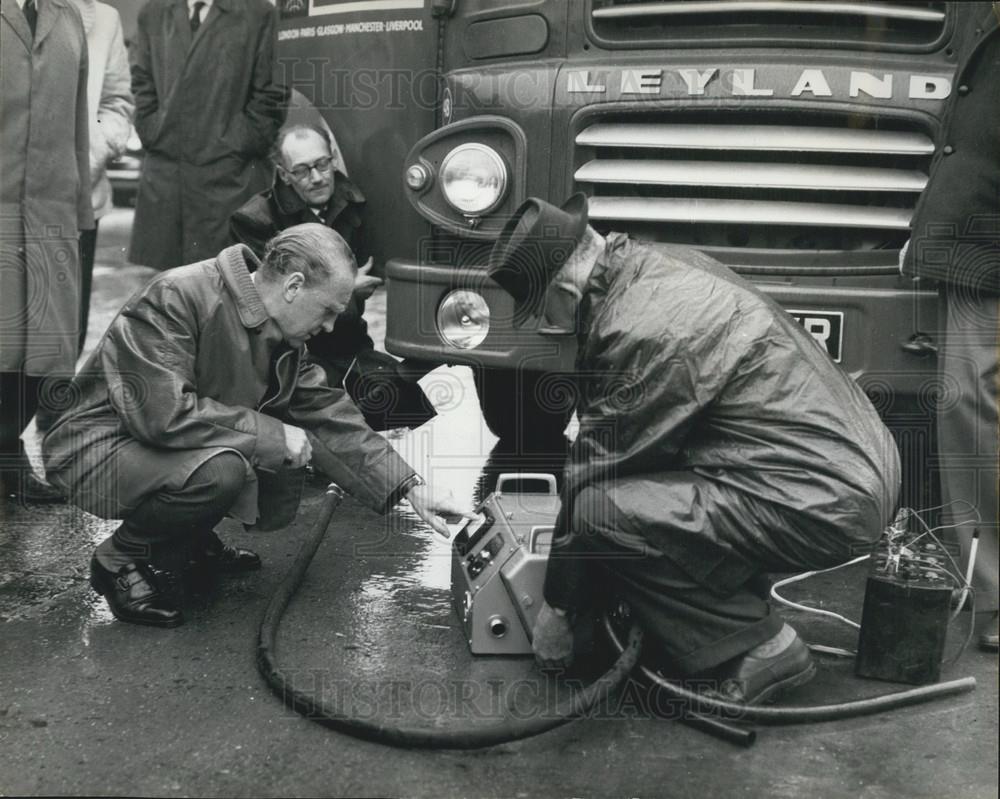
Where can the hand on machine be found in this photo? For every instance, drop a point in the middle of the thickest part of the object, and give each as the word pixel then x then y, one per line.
pixel 431 505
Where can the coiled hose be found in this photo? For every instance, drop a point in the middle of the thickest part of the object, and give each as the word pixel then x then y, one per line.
pixel 468 737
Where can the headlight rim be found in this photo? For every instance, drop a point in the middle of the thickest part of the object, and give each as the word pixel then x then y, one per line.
pixel 503 172
pixel 453 341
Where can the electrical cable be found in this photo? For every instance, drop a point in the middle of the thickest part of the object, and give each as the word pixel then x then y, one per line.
pixel 962 582
pixel 805 575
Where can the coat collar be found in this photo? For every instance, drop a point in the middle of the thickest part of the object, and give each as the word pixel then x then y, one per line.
pixel 233 266
pixel 48 12
pixel 15 18
pixel 182 22
pixel 344 193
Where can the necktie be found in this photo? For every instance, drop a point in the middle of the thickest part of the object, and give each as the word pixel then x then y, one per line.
pixel 31 14
pixel 195 17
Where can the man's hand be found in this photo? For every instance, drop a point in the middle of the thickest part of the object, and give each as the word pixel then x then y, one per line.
pixel 552 639
pixel 427 503
pixel 365 284
pixel 298 450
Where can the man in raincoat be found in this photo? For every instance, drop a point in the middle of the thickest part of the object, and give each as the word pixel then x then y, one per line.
pixel 717 442
pixel 198 404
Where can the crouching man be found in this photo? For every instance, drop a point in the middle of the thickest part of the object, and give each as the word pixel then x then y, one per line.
pixel 198 404
pixel 717 442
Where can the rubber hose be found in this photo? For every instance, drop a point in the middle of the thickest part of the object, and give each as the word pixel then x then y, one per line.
pixel 316 709
pixel 803 714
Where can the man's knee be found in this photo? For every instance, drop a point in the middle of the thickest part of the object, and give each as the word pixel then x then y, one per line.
pixel 222 476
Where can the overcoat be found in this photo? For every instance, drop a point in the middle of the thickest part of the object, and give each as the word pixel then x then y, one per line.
pixel 44 186
pixel 207 109
pixel 109 96
pixel 955 230
pixel 192 366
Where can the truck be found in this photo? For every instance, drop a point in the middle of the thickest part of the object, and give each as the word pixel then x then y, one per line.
pixel 788 140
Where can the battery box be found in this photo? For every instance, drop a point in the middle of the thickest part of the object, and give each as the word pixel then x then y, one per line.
pixel 498 566
pixel 907 608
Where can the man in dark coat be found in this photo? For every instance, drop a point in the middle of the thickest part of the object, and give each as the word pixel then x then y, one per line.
pixel 198 404
pixel 308 187
pixel 717 442
pixel 955 241
pixel 44 204
pixel 208 105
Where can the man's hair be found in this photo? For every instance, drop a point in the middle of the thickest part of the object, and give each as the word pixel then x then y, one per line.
pixel 315 250
pixel 294 129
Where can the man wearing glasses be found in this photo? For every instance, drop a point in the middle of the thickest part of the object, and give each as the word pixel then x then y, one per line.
pixel 310 186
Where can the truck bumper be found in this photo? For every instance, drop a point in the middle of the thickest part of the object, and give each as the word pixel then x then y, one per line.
pixel 416 290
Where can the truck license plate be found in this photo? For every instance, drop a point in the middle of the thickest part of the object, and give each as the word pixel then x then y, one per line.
pixel 827 327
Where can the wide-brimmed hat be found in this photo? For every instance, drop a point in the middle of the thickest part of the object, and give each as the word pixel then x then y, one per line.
pixel 532 247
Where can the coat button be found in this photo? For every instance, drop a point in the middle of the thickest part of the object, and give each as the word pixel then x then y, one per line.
pixel 948 149
pixel 963 90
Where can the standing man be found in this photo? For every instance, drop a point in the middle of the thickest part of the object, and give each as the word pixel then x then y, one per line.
pixel 198 404
pixel 44 204
pixel 955 241
pixel 717 442
pixel 208 105
pixel 110 102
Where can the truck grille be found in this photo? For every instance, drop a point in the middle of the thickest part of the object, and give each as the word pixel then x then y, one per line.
pixel 825 185
pixel 878 25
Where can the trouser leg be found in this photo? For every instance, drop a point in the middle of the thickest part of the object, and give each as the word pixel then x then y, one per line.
pixel 18 401
pixel 165 523
pixel 88 249
pixel 691 626
pixel 967 430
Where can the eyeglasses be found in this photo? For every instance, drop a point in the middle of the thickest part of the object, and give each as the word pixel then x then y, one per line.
pixel 303 171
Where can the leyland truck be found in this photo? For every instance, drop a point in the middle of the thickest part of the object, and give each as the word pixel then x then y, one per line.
pixel 789 140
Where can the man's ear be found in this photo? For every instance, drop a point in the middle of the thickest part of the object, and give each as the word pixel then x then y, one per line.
pixel 292 285
pixel 285 177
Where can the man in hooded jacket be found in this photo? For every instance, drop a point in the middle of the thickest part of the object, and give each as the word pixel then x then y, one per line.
pixel 717 442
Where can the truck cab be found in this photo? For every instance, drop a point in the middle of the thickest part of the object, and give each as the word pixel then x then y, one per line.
pixel 789 140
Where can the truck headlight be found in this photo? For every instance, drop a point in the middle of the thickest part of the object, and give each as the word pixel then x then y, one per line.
pixel 463 319
pixel 473 178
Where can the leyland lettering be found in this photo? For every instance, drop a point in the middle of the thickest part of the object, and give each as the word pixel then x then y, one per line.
pixel 743 82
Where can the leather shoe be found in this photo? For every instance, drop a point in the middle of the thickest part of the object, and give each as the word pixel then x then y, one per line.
pixel 750 680
pixel 212 553
pixel 989 641
pixel 134 594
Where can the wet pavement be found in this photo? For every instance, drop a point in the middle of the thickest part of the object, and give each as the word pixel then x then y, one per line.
pixel 90 706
